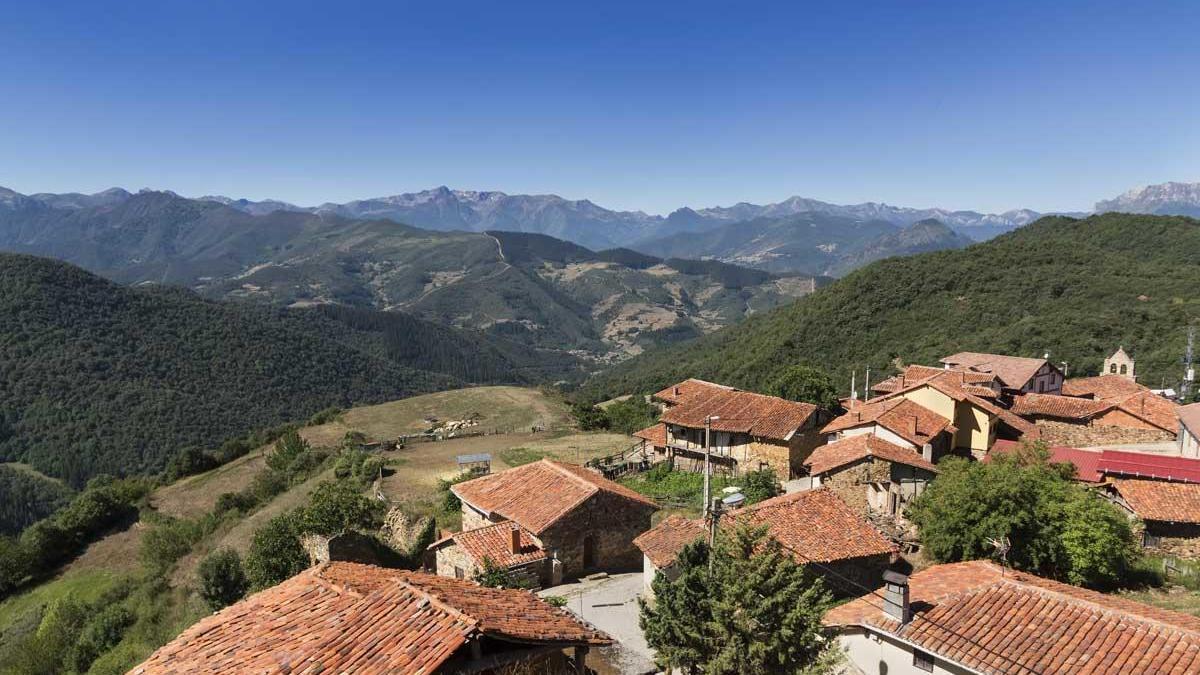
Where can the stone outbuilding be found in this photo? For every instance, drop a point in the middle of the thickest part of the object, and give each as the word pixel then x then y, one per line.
pixel 505 545
pixel 1169 510
pixel 581 520
pixel 872 475
pixel 1111 410
pixel 816 527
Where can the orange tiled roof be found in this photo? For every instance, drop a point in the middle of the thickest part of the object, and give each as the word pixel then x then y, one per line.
pixel 1161 500
pixel 742 412
pixel 1006 622
pixel 655 435
pixel 1013 371
pixel 350 618
pixel 538 494
pixel 956 391
pixel 1049 405
pixel 977 382
pixel 1151 408
pixel 663 542
pixel 1101 386
pixel 677 393
pixel 907 419
pixel 495 542
pixel 854 448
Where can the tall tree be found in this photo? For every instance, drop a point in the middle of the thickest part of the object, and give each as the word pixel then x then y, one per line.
pixel 806 385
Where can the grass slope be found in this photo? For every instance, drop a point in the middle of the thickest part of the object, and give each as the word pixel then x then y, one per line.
pixel 1074 288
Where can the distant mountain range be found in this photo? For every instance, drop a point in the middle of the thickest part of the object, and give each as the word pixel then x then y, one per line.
pixel 534 289
pixel 1166 199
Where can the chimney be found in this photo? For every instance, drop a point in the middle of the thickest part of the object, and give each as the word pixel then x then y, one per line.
pixel 895 597
pixel 927 452
pixel 515 541
pixel 676 390
pixel 912 428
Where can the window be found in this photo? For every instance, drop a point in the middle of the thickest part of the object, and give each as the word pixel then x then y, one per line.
pixel 1124 368
pixel 923 660
pixel 1113 368
pixel 458 573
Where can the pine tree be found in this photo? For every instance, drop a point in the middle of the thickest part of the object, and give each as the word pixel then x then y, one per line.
pixel 676 622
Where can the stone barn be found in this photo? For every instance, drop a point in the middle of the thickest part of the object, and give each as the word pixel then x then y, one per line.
pixel 1170 512
pixel 872 475
pixel 584 522
pixel 505 545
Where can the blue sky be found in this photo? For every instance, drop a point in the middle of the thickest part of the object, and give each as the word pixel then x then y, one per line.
pixel 646 105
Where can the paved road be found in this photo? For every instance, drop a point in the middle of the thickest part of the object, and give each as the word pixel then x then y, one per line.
pixel 611 605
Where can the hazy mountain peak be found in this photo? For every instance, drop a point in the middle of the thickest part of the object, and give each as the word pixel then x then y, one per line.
pixel 1172 198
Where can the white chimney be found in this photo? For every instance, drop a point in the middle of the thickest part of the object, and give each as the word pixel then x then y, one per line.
pixel 895 597
pixel 927 452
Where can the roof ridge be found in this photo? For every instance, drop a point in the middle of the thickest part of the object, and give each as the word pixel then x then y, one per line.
pixel 558 466
pixel 403 580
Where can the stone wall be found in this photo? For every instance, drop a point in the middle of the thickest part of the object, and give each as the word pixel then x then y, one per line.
pixel 472 519
pixel 850 483
pixel 853 577
pixel 451 557
pixel 612 523
pixel 1085 435
pixel 1179 540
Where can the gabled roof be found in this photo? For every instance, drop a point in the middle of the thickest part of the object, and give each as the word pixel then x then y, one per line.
pixel 977 383
pixel 957 391
pixel 1150 408
pixel 494 542
pixel 1101 386
pixel 741 412
pixel 851 449
pixel 537 495
pixel 678 393
pixel 1146 465
pixel 814 526
pixel 907 419
pixel 1161 500
pixel 349 618
pixel 1061 407
pixel 1013 371
pixel 1189 416
pixel 664 541
pixel 999 621
pixel 655 435
pixel 1087 462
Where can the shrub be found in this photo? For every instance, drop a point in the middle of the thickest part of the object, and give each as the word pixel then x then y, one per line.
pixel 167 542
pixel 191 461
pixel 336 507
pixel 759 485
pixel 632 414
pixel 100 634
pixel 222 579
pixel 275 553
pixel 286 449
pixel 450 501
pixel 589 417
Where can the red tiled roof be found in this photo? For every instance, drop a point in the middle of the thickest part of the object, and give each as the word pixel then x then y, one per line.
pixel 854 448
pixel 1000 621
pixel 677 393
pixel 955 390
pixel 1161 500
pixel 663 542
pixel 1086 462
pixel 1062 407
pixel 742 412
pixel 1146 465
pixel 814 526
pixel 1151 408
pixel 655 435
pixel 977 382
pixel 1101 386
pixel 349 618
pixel 538 494
pixel 1189 415
pixel 495 542
pixel 1013 371
pixel 907 419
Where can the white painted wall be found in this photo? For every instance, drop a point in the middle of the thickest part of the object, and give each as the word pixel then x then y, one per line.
pixel 874 654
pixel 1189 445
pixel 879 432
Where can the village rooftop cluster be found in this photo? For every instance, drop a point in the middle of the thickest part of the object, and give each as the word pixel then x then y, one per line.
pixel 848 476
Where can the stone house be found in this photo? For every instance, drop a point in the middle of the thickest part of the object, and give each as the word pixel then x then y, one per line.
pixel 581 520
pixel 1169 511
pixel 686 390
pixel 1189 430
pixel 984 385
pixel 816 527
pixel 506 545
pixel 749 431
pixel 1137 417
pixel 349 618
pixel 977 617
pixel 899 421
pixel 1017 374
pixel 870 474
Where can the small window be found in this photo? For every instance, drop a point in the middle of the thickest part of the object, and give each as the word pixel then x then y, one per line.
pixel 1112 368
pixel 923 660
pixel 458 573
pixel 1124 368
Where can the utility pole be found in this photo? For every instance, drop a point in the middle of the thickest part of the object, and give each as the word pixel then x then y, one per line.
pixel 867 385
pixel 1189 374
pixel 708 420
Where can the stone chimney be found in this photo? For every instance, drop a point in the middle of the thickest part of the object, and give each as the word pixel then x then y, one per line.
pixel 895 597
pixel 912 427
pixel 676 390
pixel 927 452
pixel 515 540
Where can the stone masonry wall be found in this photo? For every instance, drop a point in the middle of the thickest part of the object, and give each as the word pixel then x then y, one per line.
pixel 1085 435
pixel 1179 540
pixel 850 483
pixel 612 523
pixel 472 519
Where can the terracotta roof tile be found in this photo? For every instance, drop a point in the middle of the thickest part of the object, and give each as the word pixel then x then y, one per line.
pixel 742 412
pixel 907 419
pixel 979 383
pixel 851 449
pixel 1101 386
pixel 538 494
pixel 678 393
pixel 495 542
pixel 663 542
pixel 1150 408
pixel 1062 407
pixel 1161 500
pixel 655 435
pixel 350 618
pixel 1006 622
pixel 1013 371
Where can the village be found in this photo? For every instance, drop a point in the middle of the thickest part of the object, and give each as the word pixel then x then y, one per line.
pixel 595 550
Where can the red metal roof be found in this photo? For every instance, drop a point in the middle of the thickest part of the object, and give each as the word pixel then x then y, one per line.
pixel 1086 461
pixel 1144 465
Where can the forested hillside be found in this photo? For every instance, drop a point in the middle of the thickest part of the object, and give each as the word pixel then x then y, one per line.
pixel 101 378
pixel 26 497
pixel 1074 288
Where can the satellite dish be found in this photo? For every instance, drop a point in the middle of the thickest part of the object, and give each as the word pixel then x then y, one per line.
pixel 734 500
pixel 731 490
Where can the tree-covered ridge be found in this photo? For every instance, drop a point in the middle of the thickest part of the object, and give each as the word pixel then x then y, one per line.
pixel 100 378
pixel 27 498
pixel 1074 288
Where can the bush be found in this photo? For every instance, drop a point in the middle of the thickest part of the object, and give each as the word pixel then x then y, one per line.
pixel 286 449
pixel 589 417
pixel 325 416
pixel 450 501
pixel 222 579
pixel 759 485
pixel 275 553
pixel 632 414
pixel 190 462
pixel 167 542
pixel 100 634
pixel 336 507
